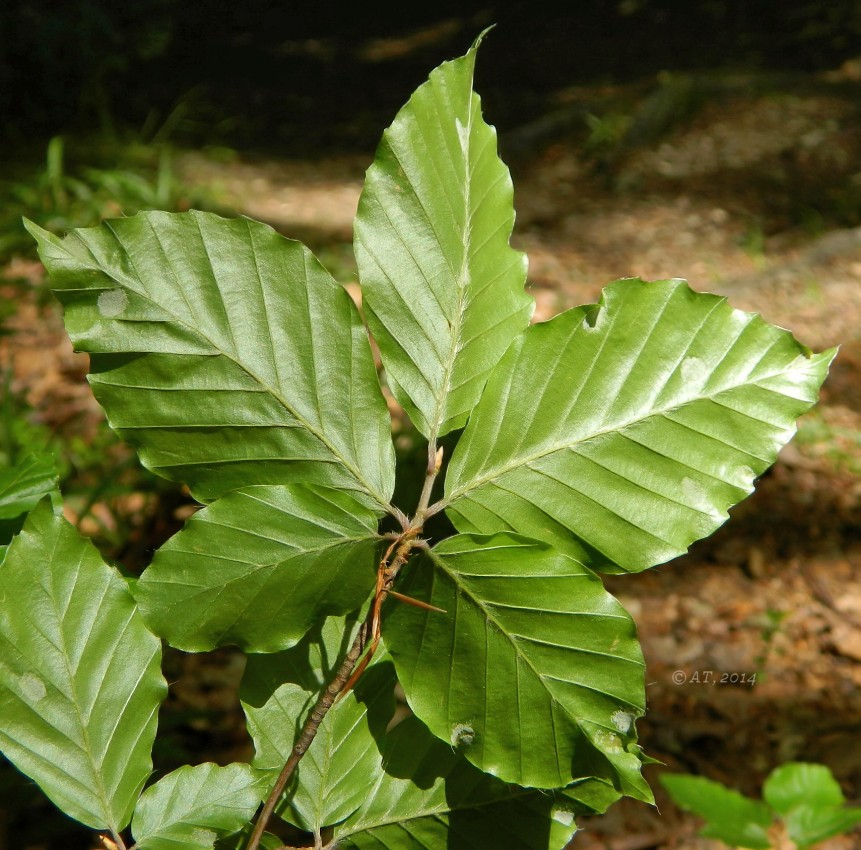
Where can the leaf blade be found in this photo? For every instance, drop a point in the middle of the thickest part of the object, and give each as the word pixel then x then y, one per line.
pixel 442 287
pixel 624 432
pixel 80 681
pixel 194 806
pixel 533 657
pixel 177 309
pixel 259 566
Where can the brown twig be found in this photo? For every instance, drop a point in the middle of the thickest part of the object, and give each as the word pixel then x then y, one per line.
pixel 308 733
pixel 365 642
pixel 366 638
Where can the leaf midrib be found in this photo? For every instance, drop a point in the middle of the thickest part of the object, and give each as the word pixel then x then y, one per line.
pixel 457 325
pixel 121 281
pixel 101 790
pixel 526 459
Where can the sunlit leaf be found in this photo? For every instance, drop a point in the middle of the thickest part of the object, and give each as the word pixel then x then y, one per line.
pixel 623 433
pixel 80 683
pixel 225 353
pixel 194 806
pixel 259 566
pixel 534 672
pixel 442 288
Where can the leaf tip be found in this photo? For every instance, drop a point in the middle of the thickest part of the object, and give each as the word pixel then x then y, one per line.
pixel 481 36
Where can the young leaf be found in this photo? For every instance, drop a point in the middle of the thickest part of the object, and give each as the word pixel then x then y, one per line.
pixel 80 683
pixel 442 288
pixel 427 795
pixel 807 825
pixel 194 806
pixel 259 566
pixel 810 801
pixel 226 354
pixel 534 672
pixel 795 783
pixel 624 432
pixel 730 817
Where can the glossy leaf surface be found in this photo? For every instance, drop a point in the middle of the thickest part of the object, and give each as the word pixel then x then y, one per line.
pixel 534 672
pixel 80 683
pixel 259 566
pixel 226 354
pixel 442 288
pixel 194 806
pixel 624 432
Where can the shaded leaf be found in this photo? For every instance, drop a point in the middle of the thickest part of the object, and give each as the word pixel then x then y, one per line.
pixel 624 432
pixel 23 485
pixel 226 354
pixel 259 566
pixel 429 796
pixel 21 488
pixel 534 672
pixel 194 806
pixel 442 288
pixel 80 683
pixel 730 817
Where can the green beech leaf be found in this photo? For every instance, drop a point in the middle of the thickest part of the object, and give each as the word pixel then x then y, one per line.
pixel 226 354
pixel 624 432
pixel 730 817
pixel 534 672
pixel 259 566
pixel 80 683
pixel 194 806
pixel 442 288
pixel 428 795
pixel 21 488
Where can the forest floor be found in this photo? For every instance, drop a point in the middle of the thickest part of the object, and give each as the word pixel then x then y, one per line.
pixel 747 198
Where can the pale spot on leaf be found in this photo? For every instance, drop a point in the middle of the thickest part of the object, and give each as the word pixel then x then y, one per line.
pixel 112 302
pixel 32 687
